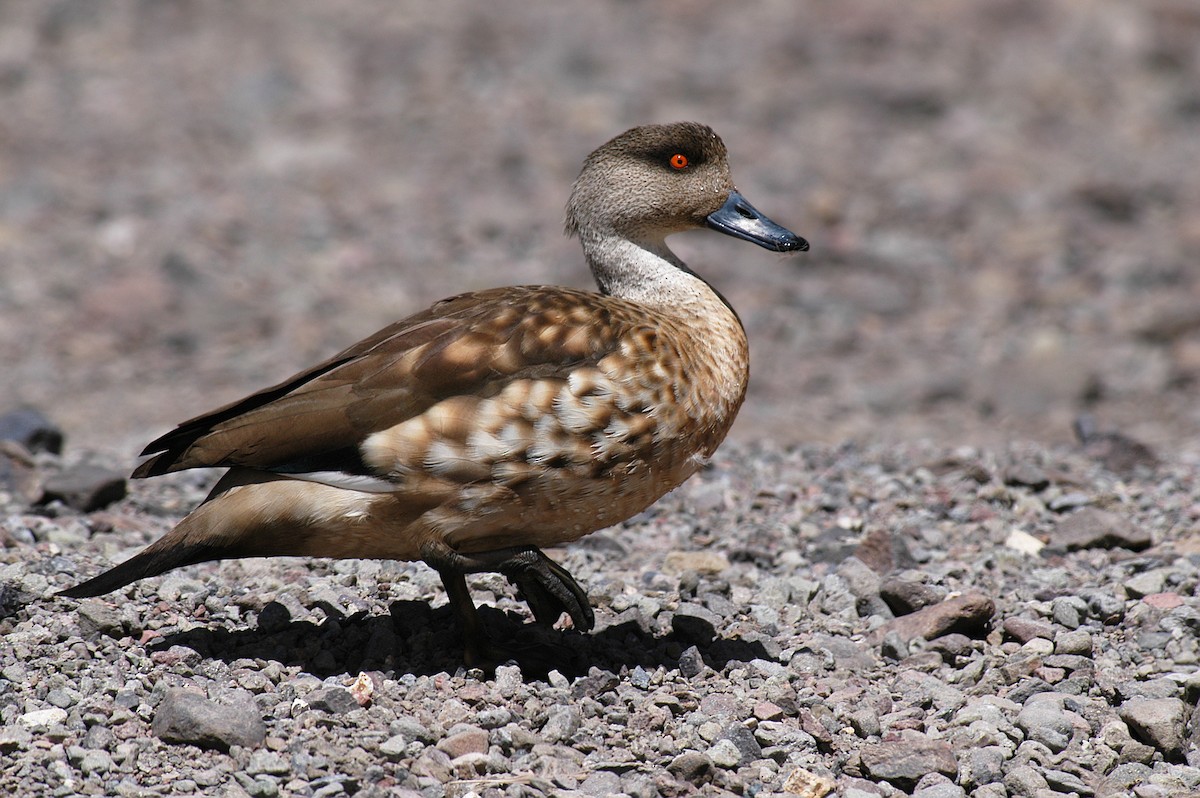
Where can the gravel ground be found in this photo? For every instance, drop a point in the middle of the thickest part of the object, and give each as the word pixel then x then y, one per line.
pixel 878 621
pixel 923 586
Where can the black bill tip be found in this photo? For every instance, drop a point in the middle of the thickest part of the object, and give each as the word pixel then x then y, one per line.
pixel 740 219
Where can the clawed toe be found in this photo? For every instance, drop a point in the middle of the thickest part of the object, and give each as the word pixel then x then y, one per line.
pixel 550 590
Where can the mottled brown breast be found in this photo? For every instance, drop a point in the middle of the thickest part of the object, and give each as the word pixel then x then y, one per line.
pixel 557 453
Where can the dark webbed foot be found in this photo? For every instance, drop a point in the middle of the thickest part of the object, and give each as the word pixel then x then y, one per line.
pixel 547 587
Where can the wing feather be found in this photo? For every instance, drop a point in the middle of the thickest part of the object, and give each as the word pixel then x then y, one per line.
pixel 472 344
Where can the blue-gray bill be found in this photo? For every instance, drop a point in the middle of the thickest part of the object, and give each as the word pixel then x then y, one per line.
pixel 740 219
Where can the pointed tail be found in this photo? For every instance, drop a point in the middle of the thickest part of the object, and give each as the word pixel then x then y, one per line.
pixel 152 561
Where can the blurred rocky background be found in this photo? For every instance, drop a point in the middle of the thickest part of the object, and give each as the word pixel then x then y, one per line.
pixel 197 199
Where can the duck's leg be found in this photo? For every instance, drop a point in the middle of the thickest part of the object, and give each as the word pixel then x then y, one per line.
pixel 477 647
pixel 549 589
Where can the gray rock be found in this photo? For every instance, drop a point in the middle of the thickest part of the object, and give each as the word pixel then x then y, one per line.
pixel 1025 780
pixel 1145 584
pixel 1027 688
pixel 744 739
pixel 61 698
pixel 94 761
pixel 394 748
pixel 1069 611
pixel 1027 475
pixel 841 653
pixel 14 738
pixel 98 617
pixel 865 722
pixel 1104 606
pixel 508 680
pixel 602 784
pixel 943 790
pixel 1148 688
pixel 595 684
pixel 862 582
pixel 724 754
pixel 435 764
pixel 1157 722
pixel 982 766
pixel 493 717
pixel 332 699
pixel 1025 629
pixel 905 762
pixel 268 762
pixel 184 717
pixel 691 662
pixel 861 788
pixel 953 647
pixel 86 488
pixel 561 724
pixel 1066 782
pixel 99 737
pixel 991 791
pixel 1044 720
pixel 903 596
pixel 1092 528
pixel 692 767
pixel 43 718
pixel 1075 641
pixel 1123 777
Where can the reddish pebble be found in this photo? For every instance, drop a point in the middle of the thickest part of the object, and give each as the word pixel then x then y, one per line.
pixel 1164 601
pixel 767 710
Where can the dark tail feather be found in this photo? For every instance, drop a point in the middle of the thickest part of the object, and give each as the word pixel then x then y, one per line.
pixel 151 562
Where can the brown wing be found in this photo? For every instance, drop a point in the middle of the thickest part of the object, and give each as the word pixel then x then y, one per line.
pixel 471 344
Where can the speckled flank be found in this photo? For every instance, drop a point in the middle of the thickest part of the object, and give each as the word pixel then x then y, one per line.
pixel 616 431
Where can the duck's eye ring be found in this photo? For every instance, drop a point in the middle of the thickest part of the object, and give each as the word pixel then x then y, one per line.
pixel 679 161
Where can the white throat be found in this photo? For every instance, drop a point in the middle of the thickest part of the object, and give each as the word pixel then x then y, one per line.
pixel 644 271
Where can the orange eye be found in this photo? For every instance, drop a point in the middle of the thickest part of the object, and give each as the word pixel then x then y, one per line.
pixel 679 161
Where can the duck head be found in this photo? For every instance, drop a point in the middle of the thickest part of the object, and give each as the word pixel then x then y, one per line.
pixel 655 180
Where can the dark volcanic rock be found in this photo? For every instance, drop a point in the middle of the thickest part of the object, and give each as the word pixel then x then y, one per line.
pixel 85 488
pixel 31 429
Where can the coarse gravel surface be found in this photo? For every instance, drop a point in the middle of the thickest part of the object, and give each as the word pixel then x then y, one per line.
pixel 878 620
pixel 923 584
